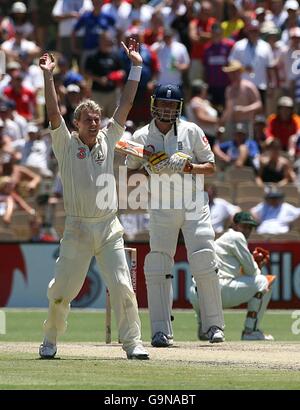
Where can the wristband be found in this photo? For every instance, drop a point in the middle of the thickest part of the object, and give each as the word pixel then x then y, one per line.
pixel 135 73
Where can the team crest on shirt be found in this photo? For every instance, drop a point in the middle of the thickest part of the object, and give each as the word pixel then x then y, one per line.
pixel 99 157
pixel 81 154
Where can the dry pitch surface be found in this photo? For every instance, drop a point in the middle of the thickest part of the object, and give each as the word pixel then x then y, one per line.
pixel 263 355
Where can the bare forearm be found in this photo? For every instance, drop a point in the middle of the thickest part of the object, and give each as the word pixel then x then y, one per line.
pixel 207 168
pixel 51 98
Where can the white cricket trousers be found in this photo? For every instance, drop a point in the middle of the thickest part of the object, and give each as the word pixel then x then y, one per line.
pixel 84 238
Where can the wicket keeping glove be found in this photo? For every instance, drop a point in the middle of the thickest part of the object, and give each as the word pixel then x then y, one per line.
pixel 179 161
pixel 158 161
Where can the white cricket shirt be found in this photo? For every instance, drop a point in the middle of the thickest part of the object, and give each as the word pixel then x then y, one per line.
pixel 79 169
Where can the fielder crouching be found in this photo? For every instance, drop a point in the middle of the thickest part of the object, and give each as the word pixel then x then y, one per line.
pixel 240 277
pixel 90 230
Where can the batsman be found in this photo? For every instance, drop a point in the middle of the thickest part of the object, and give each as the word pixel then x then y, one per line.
pixel 180 149
pixel 240 277
pixel 90 230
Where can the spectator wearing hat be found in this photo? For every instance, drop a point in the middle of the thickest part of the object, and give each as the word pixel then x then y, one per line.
pixel 259 133
pixel 66 13
pixel 292 21
pixel 242 99
pixel 273 214
pixel 284 123
pixel 19 18
pixel 140 111
pixel 257 58
pixel 200 111
pixel 273 167
pixel 215 57
pixel 239 151
pixel 173 58
pixel 199 35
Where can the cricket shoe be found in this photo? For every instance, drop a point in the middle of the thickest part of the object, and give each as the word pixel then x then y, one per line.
pixel 161 340
pixel 256 335
pixel 215 335
pixel 138 352
pixel 47 350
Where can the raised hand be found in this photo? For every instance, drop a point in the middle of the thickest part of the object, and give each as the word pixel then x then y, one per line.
pixel 47 62
pixel 132 51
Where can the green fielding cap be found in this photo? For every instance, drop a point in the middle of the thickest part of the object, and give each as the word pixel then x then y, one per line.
pixel 244 218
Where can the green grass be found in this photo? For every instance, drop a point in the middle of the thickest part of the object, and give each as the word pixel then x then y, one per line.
pixel 26 325
pixel 25 371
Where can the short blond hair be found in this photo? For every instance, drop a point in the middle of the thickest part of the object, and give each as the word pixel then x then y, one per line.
pixel 87 105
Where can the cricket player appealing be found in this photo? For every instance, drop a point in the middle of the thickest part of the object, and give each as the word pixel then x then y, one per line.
pixel 240 277
pixel 89 230
pixel 178 147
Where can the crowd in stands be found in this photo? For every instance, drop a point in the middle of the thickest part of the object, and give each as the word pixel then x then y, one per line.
pixel 237 61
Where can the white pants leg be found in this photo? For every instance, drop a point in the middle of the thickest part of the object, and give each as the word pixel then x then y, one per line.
pixel 70 272
pixel 199 240
pixel 113 265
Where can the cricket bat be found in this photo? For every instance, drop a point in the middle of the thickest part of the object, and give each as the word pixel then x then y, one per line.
pixel 126 147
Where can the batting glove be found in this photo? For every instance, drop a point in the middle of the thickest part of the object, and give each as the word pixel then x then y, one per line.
pixel 179 161
pixel 158 161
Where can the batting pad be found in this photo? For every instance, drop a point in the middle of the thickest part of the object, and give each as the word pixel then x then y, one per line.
pixel 158 267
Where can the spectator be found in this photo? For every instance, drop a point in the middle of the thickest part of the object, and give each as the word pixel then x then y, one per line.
pixel 35 152
pixel 274 215
pixel 105 70
pixel 292 21
pixel 199 35
pixel 273 167
pixel 155 32
pixel 240 151
pixel 277 14
pixel 6 199
pixel 15 45
pixel 200 111
pixel 24 98
pixel 285 123
pixel 43 23
pixel 259 131
pixel 173 58
pixel 242 99
pixel 232 27
pixel 72 99
pixel 93 23
pixel 256 56
pixel 20 19
pixel 215 57
pixel 140 15
pixel 66 13
pixel 221 211
pixel 12 127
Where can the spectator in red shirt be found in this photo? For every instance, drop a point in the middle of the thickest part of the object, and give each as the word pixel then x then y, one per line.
pixel 285 123
pixel 24 98
pixel 199 35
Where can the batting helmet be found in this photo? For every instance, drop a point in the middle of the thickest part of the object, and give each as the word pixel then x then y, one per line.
pixel 168 93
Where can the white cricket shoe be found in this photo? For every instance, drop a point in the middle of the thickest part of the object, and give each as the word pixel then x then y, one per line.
pixel 161 340
pixel 215 335
pixel 138 352
pixel 47 350
pixel 256 335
